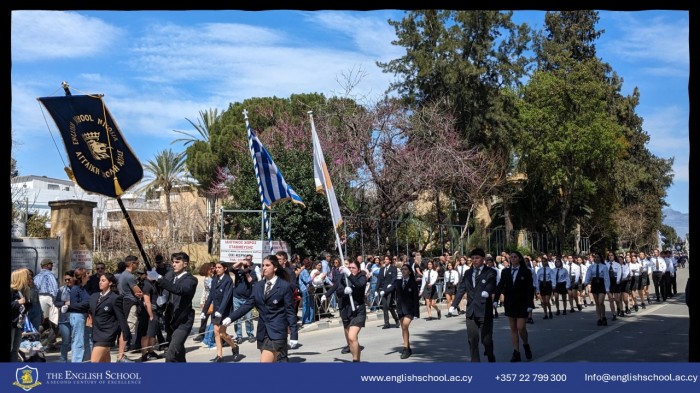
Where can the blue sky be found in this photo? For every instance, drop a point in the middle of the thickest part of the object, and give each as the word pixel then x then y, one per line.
pixel 157 68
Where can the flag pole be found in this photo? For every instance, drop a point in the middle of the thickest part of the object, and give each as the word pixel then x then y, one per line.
pixel 265 217
pixel 66 89
pixel 330 207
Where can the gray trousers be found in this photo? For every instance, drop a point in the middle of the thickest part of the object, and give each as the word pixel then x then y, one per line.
pixel 480 328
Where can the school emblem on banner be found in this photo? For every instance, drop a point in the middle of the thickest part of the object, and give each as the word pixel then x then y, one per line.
pixel 100 159
pixel 27 378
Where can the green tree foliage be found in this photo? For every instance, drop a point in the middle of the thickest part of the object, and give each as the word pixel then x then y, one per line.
pixel 36 225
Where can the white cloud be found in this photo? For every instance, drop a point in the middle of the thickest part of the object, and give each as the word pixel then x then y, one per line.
pixel 43 35
pixel 668 129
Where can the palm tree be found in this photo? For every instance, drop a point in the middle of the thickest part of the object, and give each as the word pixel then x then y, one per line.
pixel 204 124
pixel 166 171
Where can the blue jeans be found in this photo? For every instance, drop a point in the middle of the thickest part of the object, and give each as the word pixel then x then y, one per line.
pixel 237 303
pixel 65 331
pixel 372 289
pixel 80 344
pixel 307 307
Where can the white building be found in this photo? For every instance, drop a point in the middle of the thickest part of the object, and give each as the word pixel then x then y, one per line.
pixel 33 194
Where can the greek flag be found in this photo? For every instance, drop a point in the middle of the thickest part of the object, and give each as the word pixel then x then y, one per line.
pixel 271 184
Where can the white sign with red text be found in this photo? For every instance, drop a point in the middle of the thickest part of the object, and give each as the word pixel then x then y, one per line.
pixel 236 250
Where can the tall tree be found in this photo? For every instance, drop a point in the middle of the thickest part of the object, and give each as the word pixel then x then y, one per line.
pixel 472 60
pixel 166 171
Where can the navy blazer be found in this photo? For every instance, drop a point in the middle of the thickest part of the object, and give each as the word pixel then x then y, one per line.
pixel 407 302
pixel 275 314
pixel 220 295
pixel 106 317
pixel 477 305
pixel 181 295
pixel 385 281
pixel 517 296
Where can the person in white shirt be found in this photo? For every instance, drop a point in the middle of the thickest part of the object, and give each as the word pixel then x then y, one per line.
pixel 646 270
pixel 670 274
pixel 428 290
pixel 461 269
pixel 575 283
pixel 624 285
pixel 658 266
pixel 635 270
pixel 451 281
pixel 615 271
pixel 598 277
pixel 543 288
pixel 560 280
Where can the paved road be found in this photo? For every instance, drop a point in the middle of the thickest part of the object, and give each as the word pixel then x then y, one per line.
pixel 657 334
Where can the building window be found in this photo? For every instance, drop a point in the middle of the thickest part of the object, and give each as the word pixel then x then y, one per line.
pixel 54 187
pixel 67 188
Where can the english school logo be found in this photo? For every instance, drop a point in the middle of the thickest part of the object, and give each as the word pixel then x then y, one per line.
pixel 27 378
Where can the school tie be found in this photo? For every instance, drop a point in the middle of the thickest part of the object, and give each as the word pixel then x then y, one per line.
pixel 597 270
pixel 657 264
pixel 515 273
pixel 404 283
pixel 268 287
pixel 558 269
pixel 544 275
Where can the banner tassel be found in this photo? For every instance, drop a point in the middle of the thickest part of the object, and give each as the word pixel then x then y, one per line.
pixel 117 188
pixel 70 174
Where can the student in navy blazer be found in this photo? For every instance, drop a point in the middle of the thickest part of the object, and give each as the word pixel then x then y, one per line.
pixel 107 317
pixel 518 292
pixel 221 297
pixel 479 284
pixel 407 305
pixel 276 311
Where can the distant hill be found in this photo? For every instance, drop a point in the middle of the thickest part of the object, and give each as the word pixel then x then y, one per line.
pixel 679 221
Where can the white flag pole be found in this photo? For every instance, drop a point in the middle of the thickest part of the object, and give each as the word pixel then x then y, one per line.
pixel 330 206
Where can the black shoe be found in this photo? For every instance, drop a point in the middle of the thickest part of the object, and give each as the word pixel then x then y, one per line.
pixel 252 339
pixel 397 325
pixel 492 359
pixel 563 312
pixel 386 326
pixel 545 316
pixel 235 350
pixel 406 353
pixel 345 350
pixel 572 310
pixel 605 321
pixel 462 312
pixel 439 315
pixel 644 306
pixel 199 339
pixel 614 318
pixel 627 311
pixel 636 308
pixel 558 312
pixel 239 340
pixel 515 357
pixel 579 307
pixel 530 321
pixel 552 316
pixel 600 322
pixel 217 359
pixel 528 352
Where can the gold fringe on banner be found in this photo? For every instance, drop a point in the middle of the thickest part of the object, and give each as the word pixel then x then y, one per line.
pixel 70 174
pixel 117 188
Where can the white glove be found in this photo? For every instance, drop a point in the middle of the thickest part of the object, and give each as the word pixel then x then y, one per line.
pixel 381 293
pixel 388 286
pixel 495 304
pixel 376 293
pixel 529 309
pixel 64 308
pixel 226 321
pixel 161 300
pixel 293 343
pixel 217 314
pixel 451 310
pixel 484 294
pixel 345 270
pixel 323 298
pixel 153 275
pixel 202 316
pixel 347 290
